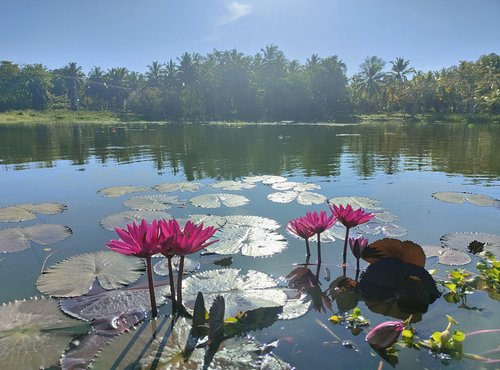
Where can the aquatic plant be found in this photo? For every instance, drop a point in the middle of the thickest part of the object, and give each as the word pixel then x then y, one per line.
pixel 384 335
pixel 300 227
pixel 358 245
pixel 142 241
pixel 349 218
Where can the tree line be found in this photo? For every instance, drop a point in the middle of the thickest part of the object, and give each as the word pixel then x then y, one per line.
pixel 229 85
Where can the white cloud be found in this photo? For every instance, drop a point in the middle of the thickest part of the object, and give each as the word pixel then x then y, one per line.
pixel 236 11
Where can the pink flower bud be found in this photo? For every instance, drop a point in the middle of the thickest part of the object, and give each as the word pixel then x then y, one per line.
pixel 385 335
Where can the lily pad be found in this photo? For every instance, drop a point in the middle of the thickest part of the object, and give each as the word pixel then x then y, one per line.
pixel 307 198
pixel 295 307
pixel 241 292
pixel 283 196
pixel 152 202
pixel 287 185
pixel 462 197
pixel 232 185
pixel 34 333
pixel 462 240
pixel 406 251
pixel 100 303
pixel 251 241
pixel 178 186
pixel 190 265
pixel 26 212
pixel 19 238
pixel 216 200
pixel 74 276
pixel 357 202
pixel 389 230
pixel 118 191
pixel 447 256
pixel 253 221
pixel 385 217
pixel 327 236
pixel 208 220
pixel 121 219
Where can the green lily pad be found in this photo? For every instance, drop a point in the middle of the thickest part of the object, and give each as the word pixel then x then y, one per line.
pixel 462 197
pixel 34 333
pixel 152 202
pixel 357 202
pixel 74 276
pixel 19 238
pixel 118 191
pixel 241 292
pixel 216 200
pixel 232 185
pixel 178 186
pixel 26 212
pixel 122 219
pixel 462 240
pixel 447 256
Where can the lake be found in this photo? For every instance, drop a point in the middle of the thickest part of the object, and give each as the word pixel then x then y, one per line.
pixel 400 165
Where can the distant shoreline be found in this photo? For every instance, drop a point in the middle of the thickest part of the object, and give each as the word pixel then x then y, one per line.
pixel 85 116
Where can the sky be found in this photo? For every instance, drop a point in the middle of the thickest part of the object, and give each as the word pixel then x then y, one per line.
pixel 432 34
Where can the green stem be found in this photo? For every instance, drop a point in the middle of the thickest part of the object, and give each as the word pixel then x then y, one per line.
pixel 308 251
pixel 319 247
pixel 171 280
pixel 344 254
pixel 357 269
pixel 179 283
pixel 154 310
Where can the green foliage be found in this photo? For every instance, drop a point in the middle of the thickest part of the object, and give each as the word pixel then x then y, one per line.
pixel 354 321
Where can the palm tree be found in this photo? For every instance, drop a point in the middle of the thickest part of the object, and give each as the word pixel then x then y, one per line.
pixel 155 74
pixel 73 77
pixel 370 80
pixel 398 78
pixel 400 70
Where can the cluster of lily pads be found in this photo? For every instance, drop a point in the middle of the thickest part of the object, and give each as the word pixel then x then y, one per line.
pixel 100 297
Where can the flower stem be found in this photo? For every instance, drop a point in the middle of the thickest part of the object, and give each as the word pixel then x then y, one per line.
pixel 154 310
pixel 179 283
pixel 344 254
pixel 171 280
pixel 357 269
pixel 319 248
pixel 308 251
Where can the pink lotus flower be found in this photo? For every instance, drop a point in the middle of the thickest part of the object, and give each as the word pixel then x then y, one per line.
pixel 357 246
pixel 349 217
pixel 141 240
pixel 183 242
pixel 384 335
pixel 319 223
pixel 301 228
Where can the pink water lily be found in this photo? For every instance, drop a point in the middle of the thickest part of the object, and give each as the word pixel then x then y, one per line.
pixel 358 245
pixel 181 243
pixel 349 218
pixel 385 334
pixel 300 227
pixel 143 241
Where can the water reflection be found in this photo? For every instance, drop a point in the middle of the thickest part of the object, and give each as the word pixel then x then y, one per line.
pixel 232 152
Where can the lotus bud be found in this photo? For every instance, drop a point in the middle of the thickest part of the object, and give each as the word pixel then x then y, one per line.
pixel 384 335
pixel 358 245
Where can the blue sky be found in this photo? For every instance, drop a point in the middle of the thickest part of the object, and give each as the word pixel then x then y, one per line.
pixel 133 33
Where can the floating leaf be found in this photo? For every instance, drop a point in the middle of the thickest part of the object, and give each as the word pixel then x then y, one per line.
pixel 307 198
pixel 25 212
pixel 287 185
pixel 283 196
pixel 252 221
pixel 34 333
pixel 208 220
pixel 19 238
pixel 100 303
pixel 121 219
pixel 241 292
pixel 118 191
pixel 152 202
pixel 447 256
pixel 327 236
pixel 252 241
pixel 178 186
pixel 393 231
pixel 168 349
pixel 357 202
pixel 190 265
pixel 385 217
pixel 216 200
pixel 295 307
pixel 461 197
pixel 461 241
pixel 232 185
pixel 406 251
pixel 269 180
pixel 74 276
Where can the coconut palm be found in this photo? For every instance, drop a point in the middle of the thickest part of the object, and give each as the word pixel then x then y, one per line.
pixel 369 81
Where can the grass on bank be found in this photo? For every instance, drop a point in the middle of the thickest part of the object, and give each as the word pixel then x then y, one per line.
pixel 84 116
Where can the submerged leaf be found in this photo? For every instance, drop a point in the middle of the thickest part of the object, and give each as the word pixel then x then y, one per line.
pixel 118 191
pixel 241 292
pixel 178 186
pixel 25 212
pixel 232 185
pixel 216 200
pixel 122 219
pixel 152 202
pixel 20 238
pixel 357 202
pixel 34 333
pixel 74 276
pixel 251 241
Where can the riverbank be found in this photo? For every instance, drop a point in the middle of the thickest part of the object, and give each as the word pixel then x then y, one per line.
pixel 55 116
